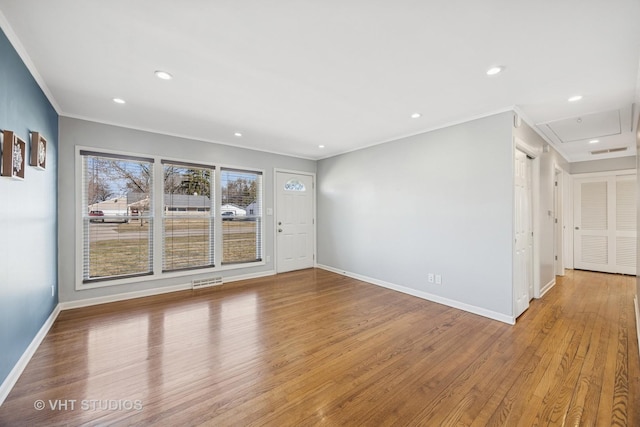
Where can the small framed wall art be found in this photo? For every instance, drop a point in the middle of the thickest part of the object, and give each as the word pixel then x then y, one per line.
pixel 38 151
pixel 13 155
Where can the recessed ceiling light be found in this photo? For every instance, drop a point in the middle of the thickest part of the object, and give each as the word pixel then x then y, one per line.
pixel 119 101
pixel 238 134
pixel 163 75
pixel 575 98
pixel 594 141
pixel 320 146
pixel 494 70
pixel 416 115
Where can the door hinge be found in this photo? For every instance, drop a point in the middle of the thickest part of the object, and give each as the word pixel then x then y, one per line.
pixel 556 219
pixel 556 257
pixel 556 183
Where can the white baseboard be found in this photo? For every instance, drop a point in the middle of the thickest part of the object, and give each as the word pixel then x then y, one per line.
pixel 150 292
pixel 635 300
pixel 19 367
pixel 68 305
pixel 427 296
pixel 546 288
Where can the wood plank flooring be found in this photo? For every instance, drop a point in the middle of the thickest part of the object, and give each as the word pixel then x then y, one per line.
pixel 315 348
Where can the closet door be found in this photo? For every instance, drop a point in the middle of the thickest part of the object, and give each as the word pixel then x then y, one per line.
pixel 605 224
pixel 626 233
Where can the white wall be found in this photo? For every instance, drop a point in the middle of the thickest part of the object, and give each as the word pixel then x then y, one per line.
pixel 455 186
pixel 74 132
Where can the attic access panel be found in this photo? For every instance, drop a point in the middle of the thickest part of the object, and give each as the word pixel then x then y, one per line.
pixel 588 126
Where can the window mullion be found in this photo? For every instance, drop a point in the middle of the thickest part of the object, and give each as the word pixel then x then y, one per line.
pixel 158 224
pixel 217 220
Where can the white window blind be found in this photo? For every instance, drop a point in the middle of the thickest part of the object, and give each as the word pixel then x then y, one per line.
pixel 241 212
pixel 117 216
pixel 188 228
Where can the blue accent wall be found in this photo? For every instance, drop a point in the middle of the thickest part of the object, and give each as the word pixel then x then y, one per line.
pixel 28 214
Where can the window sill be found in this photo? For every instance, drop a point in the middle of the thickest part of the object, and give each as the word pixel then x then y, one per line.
pixel 81 286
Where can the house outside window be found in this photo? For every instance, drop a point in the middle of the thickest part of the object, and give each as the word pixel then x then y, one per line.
pixel 241 216
pixel 188 220
pixel 198 217
pixel 117 216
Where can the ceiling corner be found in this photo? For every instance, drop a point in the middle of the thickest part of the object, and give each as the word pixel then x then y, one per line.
pixel 22 52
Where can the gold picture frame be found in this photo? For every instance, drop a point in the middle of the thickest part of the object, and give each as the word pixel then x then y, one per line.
pixel 38 157
pixel 14 150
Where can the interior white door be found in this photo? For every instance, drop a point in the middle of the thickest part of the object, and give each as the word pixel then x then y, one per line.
pixel 523 253
pixel 626 225
pixel 605 224
pixel 294 221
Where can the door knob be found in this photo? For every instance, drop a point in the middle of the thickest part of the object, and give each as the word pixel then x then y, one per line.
pixel 577 228
pixel 279 222
pixel 279 230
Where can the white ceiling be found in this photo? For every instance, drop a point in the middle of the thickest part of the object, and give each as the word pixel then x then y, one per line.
pixel 291 75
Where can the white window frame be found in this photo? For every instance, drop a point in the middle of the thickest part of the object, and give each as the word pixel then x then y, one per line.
pixel 158 188
pixel 219 242
pixel 211 217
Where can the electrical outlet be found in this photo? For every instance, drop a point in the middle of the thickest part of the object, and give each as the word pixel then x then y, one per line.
pixel 430 278
pixel 438 279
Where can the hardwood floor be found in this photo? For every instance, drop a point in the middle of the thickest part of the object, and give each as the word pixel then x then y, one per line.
pixel 312 347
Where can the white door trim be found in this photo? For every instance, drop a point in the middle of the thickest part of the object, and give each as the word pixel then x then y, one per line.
pixel 274 216
pixel 568 219
pixel 523 288
pixel 568 192
pixel 611 178
pixel 534 153
pixel 535 206
pixel 558 227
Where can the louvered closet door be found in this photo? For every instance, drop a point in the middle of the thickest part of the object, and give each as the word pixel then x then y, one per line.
pixel 626 233
pixel 605 224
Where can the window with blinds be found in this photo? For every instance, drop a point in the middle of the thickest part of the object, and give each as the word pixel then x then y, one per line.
pixel 241 212
pixel 187 217
pixel 117 216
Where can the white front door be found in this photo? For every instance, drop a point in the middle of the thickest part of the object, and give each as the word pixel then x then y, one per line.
pixel 605 224
pixel 522 271
pixel 294 221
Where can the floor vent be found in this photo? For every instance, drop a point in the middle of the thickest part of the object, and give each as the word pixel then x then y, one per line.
pixel 205 283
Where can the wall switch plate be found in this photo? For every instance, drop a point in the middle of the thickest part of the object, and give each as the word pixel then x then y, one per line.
pixel 438 279
pixel 430 277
